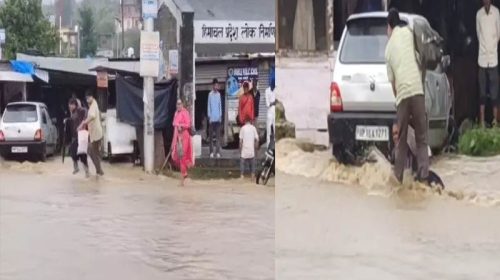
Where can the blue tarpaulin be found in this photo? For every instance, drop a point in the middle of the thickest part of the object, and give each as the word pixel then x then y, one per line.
pixel 23 67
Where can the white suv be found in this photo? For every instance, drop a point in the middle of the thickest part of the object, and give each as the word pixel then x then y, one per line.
pixel 362 102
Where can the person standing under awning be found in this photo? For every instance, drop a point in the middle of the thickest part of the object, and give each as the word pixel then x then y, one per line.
pixel 246 105
pixel 271 112
pixel 488 33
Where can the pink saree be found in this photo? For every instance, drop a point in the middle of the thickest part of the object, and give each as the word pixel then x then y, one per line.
pixel 182 119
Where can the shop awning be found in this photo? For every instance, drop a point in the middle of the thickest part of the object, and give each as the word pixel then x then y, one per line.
pixel 11 76
pixel 126 66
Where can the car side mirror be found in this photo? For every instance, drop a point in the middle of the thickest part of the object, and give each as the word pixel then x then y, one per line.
pixel 54 120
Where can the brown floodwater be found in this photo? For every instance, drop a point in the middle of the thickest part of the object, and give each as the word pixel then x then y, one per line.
pixel 337 222
pixel 127 225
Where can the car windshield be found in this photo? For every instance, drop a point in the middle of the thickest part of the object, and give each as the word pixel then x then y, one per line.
pixel 20 113
pixel 365 41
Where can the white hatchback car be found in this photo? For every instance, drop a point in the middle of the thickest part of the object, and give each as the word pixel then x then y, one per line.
pixel 362 102
pixel 26 128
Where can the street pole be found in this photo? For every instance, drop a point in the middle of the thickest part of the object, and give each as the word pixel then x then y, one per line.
pixel 78 34
pixel 149 141
pixel 123 27
pixel 60 35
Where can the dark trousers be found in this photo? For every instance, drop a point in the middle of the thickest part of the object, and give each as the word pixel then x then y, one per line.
pixel 73 149
pixel 412 110
pixel 488 83
pixel 215 128
pixel 95 155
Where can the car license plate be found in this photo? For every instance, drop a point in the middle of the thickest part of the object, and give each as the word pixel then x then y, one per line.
pixel 19 150
pixel 372 133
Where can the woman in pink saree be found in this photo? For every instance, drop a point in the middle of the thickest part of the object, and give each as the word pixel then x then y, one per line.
pixel 181 143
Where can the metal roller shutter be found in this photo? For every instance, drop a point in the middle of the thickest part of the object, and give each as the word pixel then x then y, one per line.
pixel 263 85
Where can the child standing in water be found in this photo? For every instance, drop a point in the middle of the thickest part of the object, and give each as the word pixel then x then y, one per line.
pixel 249 140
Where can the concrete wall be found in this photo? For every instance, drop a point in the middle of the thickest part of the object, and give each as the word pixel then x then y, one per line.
pixel 303 86
pixel 166 24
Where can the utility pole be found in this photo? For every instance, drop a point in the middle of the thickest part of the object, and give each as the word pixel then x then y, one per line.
pixel 123 26
pixel 149 54
pixel 77 29
pixel 149 107
pixel 60 35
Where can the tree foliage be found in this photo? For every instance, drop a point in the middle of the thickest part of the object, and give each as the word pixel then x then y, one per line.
pixel 88 34
pixel 26 27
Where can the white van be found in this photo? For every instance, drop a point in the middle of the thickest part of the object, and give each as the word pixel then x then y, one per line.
pixel 119 137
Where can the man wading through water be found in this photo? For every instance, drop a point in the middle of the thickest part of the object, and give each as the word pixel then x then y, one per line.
pixel 406 79
pixel 93 122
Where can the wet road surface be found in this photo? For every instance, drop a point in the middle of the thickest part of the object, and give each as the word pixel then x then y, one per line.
pixel 326 230
pixel 337 222
pixel 54 225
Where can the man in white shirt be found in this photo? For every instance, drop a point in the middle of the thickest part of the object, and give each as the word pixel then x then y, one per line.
pixel 249 140
pixel 94 124
pixel 271 110
pixel 488 33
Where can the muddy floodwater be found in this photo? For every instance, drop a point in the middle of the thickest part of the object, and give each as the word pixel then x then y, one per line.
pixel 56 226
pixel 337 222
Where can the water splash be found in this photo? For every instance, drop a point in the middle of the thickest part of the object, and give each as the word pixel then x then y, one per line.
pixel 294 159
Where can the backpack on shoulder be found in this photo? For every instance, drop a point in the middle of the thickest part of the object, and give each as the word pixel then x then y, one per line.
pixel 429 46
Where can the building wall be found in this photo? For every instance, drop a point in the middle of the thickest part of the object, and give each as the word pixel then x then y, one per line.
pixel 166 24
pixel 131 14
pixel 287 11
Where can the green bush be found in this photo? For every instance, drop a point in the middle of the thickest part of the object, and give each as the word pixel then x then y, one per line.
pixel 480 142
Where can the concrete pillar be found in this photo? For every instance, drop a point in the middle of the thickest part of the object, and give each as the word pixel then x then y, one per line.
pixel 330 27
pixel 186 87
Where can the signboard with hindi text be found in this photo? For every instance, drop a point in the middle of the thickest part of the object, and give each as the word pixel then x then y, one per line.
pixel 102 79
pixel 149 9
pixel 173 62
pixel 150 54
pixel 236 32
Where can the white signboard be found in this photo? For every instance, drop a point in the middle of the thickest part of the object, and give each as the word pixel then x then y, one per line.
pixel 150 54
pixel 149 9
pixel 2 36
pixel 237 32
pixel 173 62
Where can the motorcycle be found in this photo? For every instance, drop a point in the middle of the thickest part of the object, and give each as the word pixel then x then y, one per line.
pixel 268 165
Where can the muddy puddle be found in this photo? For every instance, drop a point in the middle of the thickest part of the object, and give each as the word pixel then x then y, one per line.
pixel 467 179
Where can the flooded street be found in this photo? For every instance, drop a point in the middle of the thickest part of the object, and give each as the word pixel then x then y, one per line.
pixel 54 225
pixel 334 222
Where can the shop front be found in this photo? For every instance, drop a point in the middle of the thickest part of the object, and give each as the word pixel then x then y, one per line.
pixel 231 73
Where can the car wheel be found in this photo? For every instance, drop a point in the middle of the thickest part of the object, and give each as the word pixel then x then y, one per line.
pixel 43 155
